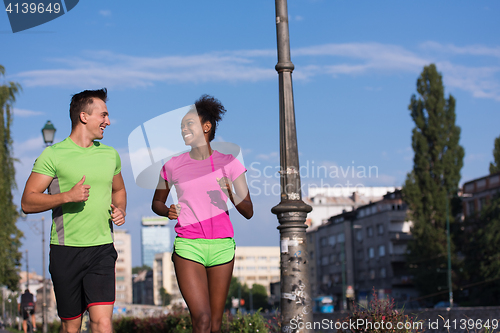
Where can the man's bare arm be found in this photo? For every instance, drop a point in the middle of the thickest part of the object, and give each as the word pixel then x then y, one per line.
pixel 118 200
pixel 35 201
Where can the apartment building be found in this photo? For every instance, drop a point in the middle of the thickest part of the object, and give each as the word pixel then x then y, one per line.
pixel 363 250
pixel 257 264
pixel 477 193
pixel 123 246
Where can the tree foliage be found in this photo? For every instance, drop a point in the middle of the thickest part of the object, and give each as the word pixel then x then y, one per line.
pixel 137 269
pixel 165 297
pixel 10 236
pixel 258 292
pixel 495 165
pixel 433 181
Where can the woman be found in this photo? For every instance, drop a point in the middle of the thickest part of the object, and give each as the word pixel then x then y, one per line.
pixel 203 253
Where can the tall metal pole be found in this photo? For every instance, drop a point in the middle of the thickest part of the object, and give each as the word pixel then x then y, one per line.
pixel 344 298
pixel 450 287
pixel 296 302
pixel 44 287
pixel 27 272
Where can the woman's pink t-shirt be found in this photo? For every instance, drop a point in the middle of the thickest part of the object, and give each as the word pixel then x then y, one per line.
pixel 204 213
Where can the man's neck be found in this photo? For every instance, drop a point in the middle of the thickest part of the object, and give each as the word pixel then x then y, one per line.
pixel 81 138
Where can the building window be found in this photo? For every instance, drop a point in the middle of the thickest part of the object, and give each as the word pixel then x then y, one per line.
pixel 380 229
pixel 324 260
pixel 332 258
pixel 311 255
pixel 263 258
pixel 323 241
pixel 120 278
pixel 371 252
pixel 263 268
pixel 340 238
pixel 482 203
pixel 251 258
pixel 381 250
pixel 383 273
pixel 251 268
pixel 332 240
pixel 372 274
pixel 359 235
pixel 359 254
pixel 369 232
pixel 470 207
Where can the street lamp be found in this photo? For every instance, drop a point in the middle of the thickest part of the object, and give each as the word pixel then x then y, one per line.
pixel 44 291
pixel 448 241
pixel 291 211
pixel 48 132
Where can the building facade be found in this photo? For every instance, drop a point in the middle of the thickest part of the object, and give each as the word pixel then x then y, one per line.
pixel 477 193
pixel 155 238
pixel 331 201
pixel 361 251
pixel 123 246
pixel 143 287
pixel 164 277
pixel 257 264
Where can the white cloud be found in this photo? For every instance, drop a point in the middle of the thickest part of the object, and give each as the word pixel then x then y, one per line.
pixel 477 50
pixel 104 68
pixel 26 113
pixel 105 12
pixel 271 156
pixel 21 148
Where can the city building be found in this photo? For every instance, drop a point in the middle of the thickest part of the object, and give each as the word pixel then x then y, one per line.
pixel 155 238
pixel 123 246
pixel 477 193
pixel 253 264
pixel 164 277
pixel 373 240
pixel 257 264
pixel 330 201
pixel 143 287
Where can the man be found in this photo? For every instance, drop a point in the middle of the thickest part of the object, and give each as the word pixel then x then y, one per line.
pixel 26 307
pixel 86 194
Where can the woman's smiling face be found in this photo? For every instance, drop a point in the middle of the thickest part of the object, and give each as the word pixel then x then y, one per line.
pixel 191 130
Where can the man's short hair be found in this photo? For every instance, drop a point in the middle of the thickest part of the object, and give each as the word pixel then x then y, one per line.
pixel 82 101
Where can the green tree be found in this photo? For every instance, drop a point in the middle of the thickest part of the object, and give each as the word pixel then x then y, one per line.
pixel 495 166
pixel 165 297
pixel 479 245
pixel 259 297
pixel 433 181
pixel 10 236
pixel 137 269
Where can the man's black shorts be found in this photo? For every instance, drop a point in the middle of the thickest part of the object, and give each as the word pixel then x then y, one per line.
pixel 82 277
pixel 28 311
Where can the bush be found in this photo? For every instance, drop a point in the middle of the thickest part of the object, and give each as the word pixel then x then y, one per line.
pixel 381 316
pixel 180 322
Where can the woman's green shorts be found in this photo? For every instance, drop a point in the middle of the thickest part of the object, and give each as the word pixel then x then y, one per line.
pixel 208 252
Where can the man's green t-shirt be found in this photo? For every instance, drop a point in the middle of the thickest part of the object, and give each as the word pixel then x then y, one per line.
pixel 85 223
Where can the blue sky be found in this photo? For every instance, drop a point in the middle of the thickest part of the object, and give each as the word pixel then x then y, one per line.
pixel 356 66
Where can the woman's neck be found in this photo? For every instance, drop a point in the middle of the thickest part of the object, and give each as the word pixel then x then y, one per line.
pixel 201 152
